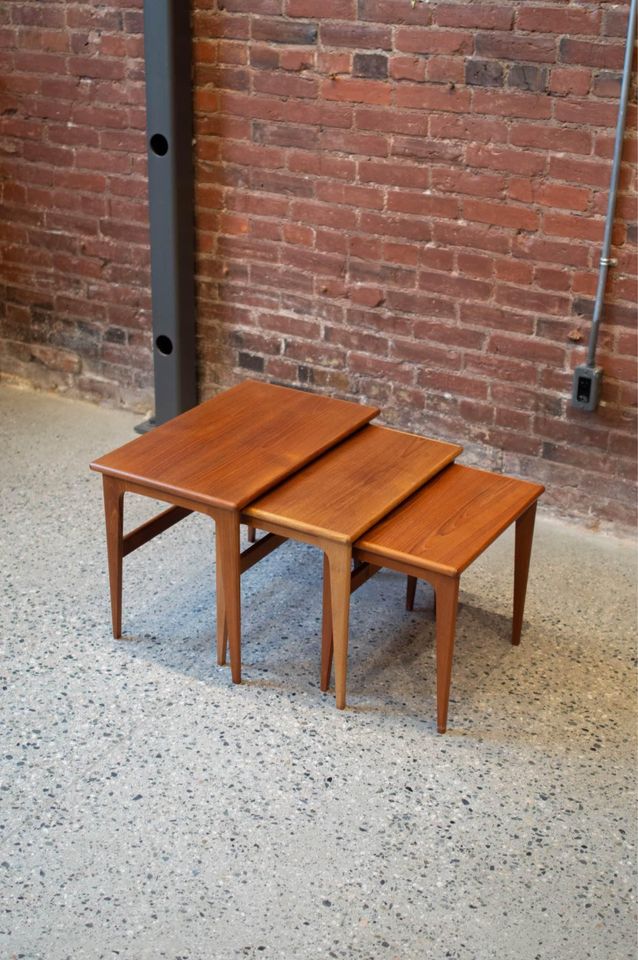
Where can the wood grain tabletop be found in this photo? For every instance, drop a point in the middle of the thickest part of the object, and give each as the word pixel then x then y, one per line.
pixel 228 450
pixel 353 485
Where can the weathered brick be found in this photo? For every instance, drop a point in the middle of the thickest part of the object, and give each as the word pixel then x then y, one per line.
pixel 515 47
pixel 282 31
pixel 374 65
pixel 525 76
pixel 484 73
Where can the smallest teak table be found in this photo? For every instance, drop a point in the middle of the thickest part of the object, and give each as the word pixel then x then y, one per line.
pixel 435 536
pixel 215 459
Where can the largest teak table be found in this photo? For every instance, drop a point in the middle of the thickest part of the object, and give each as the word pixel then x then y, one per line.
pixel 215 459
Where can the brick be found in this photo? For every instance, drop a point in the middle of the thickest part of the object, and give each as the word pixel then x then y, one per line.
pixel 527 105
pixel 550 251
pixel 544 136
pixel 423 204
pixel 563 196
pixel 432 97
pixel 608 55
pixel 282 31
pixel 475 236
pixel 407 68
pixel 367 296
pixel 394 174
pixel 391 121
pixel 596 174
pixel 586 112
pixel 413 40
pixel 297 60
pixel 448 284
pixel 426 149
pixel 505 158
pixel 384 274
pixel 321 164
pixel 481 129
pixel 565 81
pixel 515 47
pixel 426 353
pixel 482 16
pixel 580 228
pixel 525 76
pixel 356 90
pixel 607 84
pixel 514 271
pixel 532 301
pixel 344 141
pixel 419 304
pixel 484 73
pixel 329 10
pixel 516 217
pixel 324 214
pixel 444 69
pixel 393 12
pixel 372 65
pixel 570 21
pixel 460 180
pixel 356 196
pixel 355 36
pixel 615 21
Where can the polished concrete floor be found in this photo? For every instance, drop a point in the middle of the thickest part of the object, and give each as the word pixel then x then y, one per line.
pixel 149 809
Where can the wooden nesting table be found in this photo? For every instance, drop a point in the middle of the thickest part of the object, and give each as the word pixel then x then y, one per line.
pixel 313 469
pixel 337 498
pixel 216 459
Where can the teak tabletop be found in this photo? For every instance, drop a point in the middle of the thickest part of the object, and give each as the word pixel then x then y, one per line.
pixel 337 498
pixel 445 526
pixel 229 450
pixel 215 459
pixel 349 488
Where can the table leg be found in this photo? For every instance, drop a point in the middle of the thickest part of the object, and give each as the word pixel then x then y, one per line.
pixel 114 516
pixel 522 554
pixel 340 562
pixel 222 632
pixel 447 596
pixel 326 628
pixel 228 560
pixel 410 591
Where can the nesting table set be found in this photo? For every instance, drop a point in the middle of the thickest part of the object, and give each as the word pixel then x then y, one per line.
pixel 312 468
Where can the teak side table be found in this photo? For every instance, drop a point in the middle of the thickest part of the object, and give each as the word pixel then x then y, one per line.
pixel 215 459
pixel 336 499
pixel 435 535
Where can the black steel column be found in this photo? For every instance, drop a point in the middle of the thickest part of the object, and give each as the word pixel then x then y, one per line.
pixel 169 126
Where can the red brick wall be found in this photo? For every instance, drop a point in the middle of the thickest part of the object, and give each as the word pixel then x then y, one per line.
pixel 406 203
pixel 75 311
pixel 398 203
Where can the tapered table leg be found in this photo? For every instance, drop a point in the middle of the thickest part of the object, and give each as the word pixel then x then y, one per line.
pixel 447 596
pixel 410 591
pixel 228 561
pixel 522 554
pixel 340 560
pixel 114 516
pixel 326 628
pixel 222 633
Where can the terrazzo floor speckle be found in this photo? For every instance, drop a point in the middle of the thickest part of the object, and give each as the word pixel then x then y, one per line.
pixel 149 809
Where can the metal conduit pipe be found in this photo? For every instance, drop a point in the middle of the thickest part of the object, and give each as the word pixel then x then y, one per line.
pixel 587 376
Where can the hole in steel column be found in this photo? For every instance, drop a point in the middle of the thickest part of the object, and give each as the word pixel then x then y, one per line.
pixel 164 345
pixel 159 144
